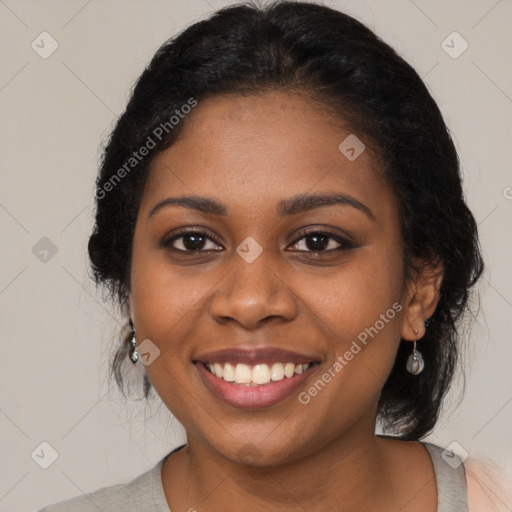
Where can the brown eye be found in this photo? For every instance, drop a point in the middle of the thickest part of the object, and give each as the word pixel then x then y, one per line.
pixel 321 241
pixel 191 241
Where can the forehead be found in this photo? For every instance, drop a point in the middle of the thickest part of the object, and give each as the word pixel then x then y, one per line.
pixel 252 151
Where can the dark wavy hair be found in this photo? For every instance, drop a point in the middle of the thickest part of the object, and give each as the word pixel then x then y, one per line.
pixel 336 60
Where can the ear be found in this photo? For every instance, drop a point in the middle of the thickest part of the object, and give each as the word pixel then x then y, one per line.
pixel 421 299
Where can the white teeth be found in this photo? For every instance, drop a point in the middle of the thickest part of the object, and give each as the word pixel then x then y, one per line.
pixel 259 374
pixel 277 371
pixel 301 368
pixel 229 373
pixel 218 370
pixel 289 369
pixel 243 374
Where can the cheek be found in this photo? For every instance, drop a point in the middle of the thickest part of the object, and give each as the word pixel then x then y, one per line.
pixel 358 310
pixel 353 298
pixel 166 304
pixel 161 301
pixel 169 303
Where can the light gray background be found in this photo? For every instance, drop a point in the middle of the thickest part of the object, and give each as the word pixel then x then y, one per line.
pixel 57 333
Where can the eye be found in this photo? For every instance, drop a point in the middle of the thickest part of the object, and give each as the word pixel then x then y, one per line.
pixel 191 241
pixel 312 241
pixel 322 241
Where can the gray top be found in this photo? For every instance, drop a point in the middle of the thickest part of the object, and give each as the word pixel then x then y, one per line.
pixel 145 493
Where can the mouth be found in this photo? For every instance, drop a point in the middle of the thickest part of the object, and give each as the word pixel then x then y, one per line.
pixel 255 378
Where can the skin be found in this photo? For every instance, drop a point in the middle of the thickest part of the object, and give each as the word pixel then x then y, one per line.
pixel 249 153
pixel 489 487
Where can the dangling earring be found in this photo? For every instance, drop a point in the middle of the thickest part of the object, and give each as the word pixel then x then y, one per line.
pixel 133 354
pixel 415 363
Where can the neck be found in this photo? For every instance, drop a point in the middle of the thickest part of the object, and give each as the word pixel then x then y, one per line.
pixel 350 470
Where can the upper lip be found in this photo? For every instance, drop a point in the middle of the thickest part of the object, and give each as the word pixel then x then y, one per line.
pixel 255 355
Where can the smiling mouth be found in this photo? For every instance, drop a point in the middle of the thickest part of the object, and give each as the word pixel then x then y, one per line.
pixel 258 374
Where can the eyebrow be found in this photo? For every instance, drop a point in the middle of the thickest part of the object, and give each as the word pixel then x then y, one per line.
pixel 286 207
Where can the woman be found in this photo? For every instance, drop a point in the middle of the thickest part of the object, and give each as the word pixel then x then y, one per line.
pixel 281 218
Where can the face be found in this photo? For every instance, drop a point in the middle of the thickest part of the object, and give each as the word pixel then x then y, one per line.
pixel 260 272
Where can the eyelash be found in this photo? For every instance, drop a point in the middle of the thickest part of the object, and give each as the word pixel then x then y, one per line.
pixel 345 243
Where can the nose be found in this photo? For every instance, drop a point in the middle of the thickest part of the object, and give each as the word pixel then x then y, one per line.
pixel 251 294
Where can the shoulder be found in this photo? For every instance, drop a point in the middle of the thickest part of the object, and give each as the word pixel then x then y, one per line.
pixel 136 495
pixel 489 488
pixel 481 485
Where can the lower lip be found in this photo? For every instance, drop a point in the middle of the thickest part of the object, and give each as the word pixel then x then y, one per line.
pixel 253 397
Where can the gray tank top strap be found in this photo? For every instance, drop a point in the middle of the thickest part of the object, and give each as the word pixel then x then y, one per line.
pixel 452 493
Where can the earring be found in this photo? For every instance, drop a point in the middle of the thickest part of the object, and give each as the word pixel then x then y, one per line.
pixel 133 354
pixel 415 362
